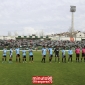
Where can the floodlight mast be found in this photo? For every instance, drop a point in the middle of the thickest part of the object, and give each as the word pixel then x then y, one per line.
pixel 72 9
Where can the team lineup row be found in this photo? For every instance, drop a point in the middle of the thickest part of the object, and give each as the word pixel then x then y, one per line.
pixel 44 51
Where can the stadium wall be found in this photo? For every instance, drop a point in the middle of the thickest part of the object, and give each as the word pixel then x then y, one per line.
pixel 7 37
pixel 52 38
pixel 66 38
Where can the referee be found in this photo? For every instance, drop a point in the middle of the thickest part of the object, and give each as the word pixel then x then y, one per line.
pixel 56 51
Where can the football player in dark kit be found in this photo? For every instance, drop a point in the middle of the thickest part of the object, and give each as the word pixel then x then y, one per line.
pixel 56 51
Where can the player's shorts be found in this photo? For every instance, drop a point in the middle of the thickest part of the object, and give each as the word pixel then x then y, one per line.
pixel 4 55
pixel 51 55
pixel 18 55
pixel 77 55
pixel 24 56
pixel 56 55
pixel 83 54
pixel 63 56
pixel 70 55
pixel 31 55
pixel 44 55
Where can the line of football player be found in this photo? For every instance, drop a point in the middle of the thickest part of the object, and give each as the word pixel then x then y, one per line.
pixel 44 52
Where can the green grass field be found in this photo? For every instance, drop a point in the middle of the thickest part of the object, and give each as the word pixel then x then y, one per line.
pixel 21 73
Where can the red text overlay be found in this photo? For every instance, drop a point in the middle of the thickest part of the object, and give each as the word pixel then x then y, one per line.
pixel 42 79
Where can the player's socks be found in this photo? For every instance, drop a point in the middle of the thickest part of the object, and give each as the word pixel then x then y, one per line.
pixel 62 59
pixel 32 58
pixel 29 58
pixel 78 59
pixel 71 59
pixel 25 62
pixel 65 60
pixel 81 59
pixel 44 60
pixel 2 59
pixel 58 59
pixel 9 60
pixel 84 59
pixel 68 59
pixel 19 59
pixel 16 59
pixel 55 59
pixel 5 59
pixel 25 59
pixel 51 59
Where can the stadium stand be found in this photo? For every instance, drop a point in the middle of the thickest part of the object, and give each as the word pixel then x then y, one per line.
pixel 39 43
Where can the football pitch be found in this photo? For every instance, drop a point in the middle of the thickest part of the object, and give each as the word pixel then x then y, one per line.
pixel 22 73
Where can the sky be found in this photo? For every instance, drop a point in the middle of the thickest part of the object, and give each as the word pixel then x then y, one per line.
pixel 27 17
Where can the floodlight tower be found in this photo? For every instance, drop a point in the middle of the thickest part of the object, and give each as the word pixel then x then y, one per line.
pixel 72 9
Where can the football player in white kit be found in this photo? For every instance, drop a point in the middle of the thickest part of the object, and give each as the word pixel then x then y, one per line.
pixel 11 55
